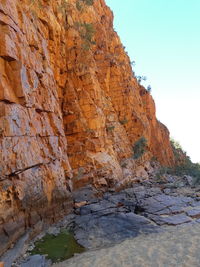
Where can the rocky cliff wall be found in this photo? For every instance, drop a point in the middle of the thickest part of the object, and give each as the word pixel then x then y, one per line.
pixel 70 110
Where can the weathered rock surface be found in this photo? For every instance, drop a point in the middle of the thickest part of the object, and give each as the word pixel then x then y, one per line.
pixel 35 261
pixel 109 219
pixel 133 211
pixel 175 247
pixel 70 111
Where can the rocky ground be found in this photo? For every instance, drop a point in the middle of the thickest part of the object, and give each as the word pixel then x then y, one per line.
pixel 177 247
pixel 146 212
pixel 143 208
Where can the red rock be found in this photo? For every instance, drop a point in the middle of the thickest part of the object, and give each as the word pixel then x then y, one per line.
pixel 80 204
pixel 70 110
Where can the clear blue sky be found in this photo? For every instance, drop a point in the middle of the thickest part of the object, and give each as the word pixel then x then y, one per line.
pixel 163 38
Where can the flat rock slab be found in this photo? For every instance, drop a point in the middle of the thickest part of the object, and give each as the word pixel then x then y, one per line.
pixel 113 218
pixel 35 261
pixel 118 197
pixel 176 219
pixel 11 255
pixel 194 213
pixel 96 207
pixel 170 220
pixel 94 231
pixel 87 193
pixel 161 202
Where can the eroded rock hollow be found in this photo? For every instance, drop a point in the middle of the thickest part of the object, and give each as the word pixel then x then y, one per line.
pixel 71 110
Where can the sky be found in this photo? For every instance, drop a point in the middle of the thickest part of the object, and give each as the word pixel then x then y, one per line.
pixel 163 38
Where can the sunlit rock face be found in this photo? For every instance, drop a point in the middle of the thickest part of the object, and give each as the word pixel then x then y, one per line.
pixel 71 110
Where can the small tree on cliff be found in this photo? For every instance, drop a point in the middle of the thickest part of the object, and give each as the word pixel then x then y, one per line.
pixel 184 165
pixel 149 89
pixel 139 147
pixel 141 78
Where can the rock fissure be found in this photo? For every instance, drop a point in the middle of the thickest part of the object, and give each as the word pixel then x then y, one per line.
pixel 25 169
pixel 7 101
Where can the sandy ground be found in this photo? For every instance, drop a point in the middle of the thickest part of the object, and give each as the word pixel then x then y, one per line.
pixel 178 246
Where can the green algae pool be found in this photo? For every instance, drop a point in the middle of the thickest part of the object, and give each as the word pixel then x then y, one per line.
pixel 58 248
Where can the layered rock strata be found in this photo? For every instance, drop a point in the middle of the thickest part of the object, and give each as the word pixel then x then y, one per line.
pixel 71 110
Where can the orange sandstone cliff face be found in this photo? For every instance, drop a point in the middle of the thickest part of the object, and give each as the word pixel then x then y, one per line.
pixel 70 110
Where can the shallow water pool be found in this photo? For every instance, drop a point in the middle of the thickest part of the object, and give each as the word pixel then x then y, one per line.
pixel 58 248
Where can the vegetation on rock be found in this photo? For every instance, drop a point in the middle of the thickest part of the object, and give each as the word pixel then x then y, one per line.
pixel 184 165
pixel 139 147
pixel 124 121
pixel 141 78
pixel 86 31
pixel 149 89
pixel 81 3
pixel 110 128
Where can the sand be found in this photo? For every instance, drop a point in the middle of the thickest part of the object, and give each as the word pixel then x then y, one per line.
pixel 178 246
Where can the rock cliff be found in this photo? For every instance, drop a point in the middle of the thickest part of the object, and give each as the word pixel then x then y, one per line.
pixel 71 110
